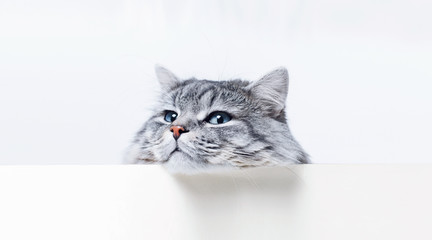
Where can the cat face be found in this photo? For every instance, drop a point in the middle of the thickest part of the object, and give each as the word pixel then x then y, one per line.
pixel 201 125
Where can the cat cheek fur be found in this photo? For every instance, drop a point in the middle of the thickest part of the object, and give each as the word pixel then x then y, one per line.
pixel 152 144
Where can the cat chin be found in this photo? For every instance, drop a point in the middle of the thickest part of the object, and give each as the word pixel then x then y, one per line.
pixel 181 163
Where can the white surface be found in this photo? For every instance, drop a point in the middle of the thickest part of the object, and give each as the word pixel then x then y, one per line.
pixel 145 202
pixel 76 77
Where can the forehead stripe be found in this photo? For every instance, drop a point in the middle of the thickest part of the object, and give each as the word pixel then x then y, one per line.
pixel 206 90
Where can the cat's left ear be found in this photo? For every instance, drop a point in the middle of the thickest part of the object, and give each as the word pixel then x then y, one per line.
pixel 272 90
pixel 166 78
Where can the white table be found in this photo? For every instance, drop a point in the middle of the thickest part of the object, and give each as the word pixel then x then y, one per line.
pixel 145 202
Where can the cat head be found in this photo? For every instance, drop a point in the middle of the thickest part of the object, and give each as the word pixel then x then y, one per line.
pixel 203 125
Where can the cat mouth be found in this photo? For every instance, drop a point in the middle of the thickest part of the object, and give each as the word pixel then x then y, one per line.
pixel 177 151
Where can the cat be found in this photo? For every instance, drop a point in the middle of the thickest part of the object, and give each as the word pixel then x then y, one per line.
pixel 202 125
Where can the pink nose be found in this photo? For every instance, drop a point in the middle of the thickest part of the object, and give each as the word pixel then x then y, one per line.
pixel 177 131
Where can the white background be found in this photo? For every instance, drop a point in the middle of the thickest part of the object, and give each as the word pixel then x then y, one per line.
pixel 76 77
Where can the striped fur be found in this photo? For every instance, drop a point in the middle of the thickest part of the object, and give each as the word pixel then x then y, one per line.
pixel 257 135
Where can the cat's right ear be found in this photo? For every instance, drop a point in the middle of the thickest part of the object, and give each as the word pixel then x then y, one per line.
pixel 167 79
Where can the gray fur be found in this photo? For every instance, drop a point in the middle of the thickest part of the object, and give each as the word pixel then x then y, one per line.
pixel 257 135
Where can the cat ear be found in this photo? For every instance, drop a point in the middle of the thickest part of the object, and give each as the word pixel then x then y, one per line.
pixel 272 90
pixel 167 79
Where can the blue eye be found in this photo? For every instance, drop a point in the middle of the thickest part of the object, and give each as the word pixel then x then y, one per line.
pixel 170 116
pixel 218 118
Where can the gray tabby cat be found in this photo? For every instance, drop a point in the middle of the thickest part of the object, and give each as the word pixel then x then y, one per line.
pixel 201 125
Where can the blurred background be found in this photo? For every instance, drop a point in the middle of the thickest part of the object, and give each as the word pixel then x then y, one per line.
pixel 77 78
